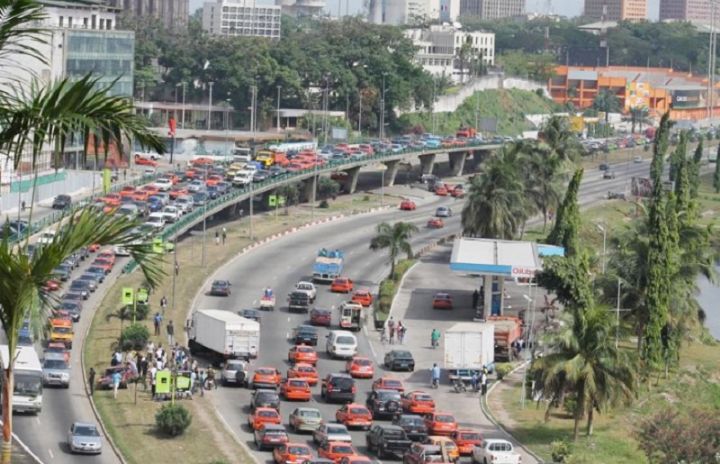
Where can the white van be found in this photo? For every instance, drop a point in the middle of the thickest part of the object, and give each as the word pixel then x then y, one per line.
pixel 341 344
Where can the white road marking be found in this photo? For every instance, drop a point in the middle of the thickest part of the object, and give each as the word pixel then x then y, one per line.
pixel 288 318
pixel 37 419
pixel 52 456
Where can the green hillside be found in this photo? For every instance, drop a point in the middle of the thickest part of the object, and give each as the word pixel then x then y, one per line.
pixel 509 107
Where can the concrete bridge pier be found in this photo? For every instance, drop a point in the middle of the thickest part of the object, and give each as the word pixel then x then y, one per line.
pixel 457 162
pixel 349 184
pixel 427 162
pixel 309 189
pixel 479 156
pixel 390 172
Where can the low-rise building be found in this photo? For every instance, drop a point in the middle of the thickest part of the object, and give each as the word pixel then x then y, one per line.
pixel 442 50
pixel 242 18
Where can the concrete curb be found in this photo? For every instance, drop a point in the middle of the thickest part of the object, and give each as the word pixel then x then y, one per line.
pixel 108 438
pixel 489 415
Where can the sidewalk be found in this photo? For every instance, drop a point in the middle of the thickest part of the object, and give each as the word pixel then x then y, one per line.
pixel 413 306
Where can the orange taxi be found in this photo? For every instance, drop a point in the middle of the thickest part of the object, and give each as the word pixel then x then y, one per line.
pixel 362 297
pixel 141 195
pixel 360 367
pixel 292 453
pixel 441 190
pixel 435 223
pixel 304 371
pixel 442 300
pixel 266 377
pixel 417 402
pixel 355 459
pixel 441 423
pixel 354 415
pixel 388 383
pixel 213 180
pixel 466 440
pixel 341 285
pixel 111 199
pixel 407 205
pixel 127 191
pixel 108 255
pixel 263 416
pixel 302 354
pixel 335 450
pixel 295 390
pixel 104 264
pixel 51 285
pixel 178 191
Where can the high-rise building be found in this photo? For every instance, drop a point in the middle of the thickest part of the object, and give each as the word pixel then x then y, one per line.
pixel 492 9
pixel 400 12
pixel 438 50
pixel 616 10
pixel 172 13
pixel 695 11
pixel 242 18
pixel 302 8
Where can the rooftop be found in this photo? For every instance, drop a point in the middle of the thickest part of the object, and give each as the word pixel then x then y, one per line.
pixel 499 257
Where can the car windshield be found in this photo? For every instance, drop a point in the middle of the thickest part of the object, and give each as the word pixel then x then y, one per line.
pixel 444 418
pixel 234 365
pixel 402 355
pixel 267 413
pixel 389 395
pixel 305 369
pixel 265 371
pixel 266 396
pixel 298 450
pixel 86 431
pixel 363 362
pixel 411 421
pixel 62 330
pixel 470 436
pixel 28 384
pixel 342 382
pixel 358 411
pixel 345 340
pixel 392 383
pixel 298 383
pixel 343 449
pixel 423 397
pixel 275 432
pixel 393 434
pixel 310 414
pixel 55 364
pixel 336 430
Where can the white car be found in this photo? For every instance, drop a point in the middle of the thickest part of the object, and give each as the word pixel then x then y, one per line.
pixel 171 213
pixel 163 184
pixel 184 203
pixel 46 237
pixel 495 451
pixel 156 220
pixel 120 251
pixel 196 186
pixel 307 288
pixel 243 178
pixel 443 211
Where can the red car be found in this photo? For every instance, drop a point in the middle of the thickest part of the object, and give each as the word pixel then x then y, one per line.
pixel 418 402
pixel 458 191
pixel 435 223
pixel 441 423
pixel 388 383
pixel 302 354
pixel 296 389
pixel 466 440
pixel 442 301
pixel 354 415
pixel 441 190
pixel 307 372
pixel 51 285
pixel 263 416
pixel 407 205
pixel 322 317
pixel 142 161
pixel 127 191
pixel 363 297
pixel 292 453
pixel 341 285
pixel 360 367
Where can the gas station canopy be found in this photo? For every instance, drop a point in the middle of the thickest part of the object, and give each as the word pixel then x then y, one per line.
pixel 505 258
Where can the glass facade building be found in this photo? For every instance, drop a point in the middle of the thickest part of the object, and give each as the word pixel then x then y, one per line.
pixel 109 54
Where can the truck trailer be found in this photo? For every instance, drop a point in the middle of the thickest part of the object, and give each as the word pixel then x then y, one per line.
pixel 222 335
pixel 328 265
pixel 469 346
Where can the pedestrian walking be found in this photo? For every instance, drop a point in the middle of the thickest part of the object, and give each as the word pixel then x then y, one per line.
pixel 153 372
pixel 434 338
pixel 163 303
pixel 224 235
pixel 392 334
pixel 177 269
pixel 475 298
pixel 116 378
pixel 217 238
pixel 170 333
pixel 483 382
pixel 124 174
pixel 400 332
pixel 91 380
pixel 157 320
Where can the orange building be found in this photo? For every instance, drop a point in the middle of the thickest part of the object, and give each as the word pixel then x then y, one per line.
pixel 658 89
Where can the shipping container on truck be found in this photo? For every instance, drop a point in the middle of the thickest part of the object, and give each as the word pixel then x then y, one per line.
pixel 469 346
pixel 222 335
pixel 507 330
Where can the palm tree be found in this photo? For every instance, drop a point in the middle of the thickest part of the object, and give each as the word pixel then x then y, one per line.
pixel 496 207
pixel 396 239
pixel 608 102
pixel 563 143
pixel 35 118
pixel 544 177
pixel 584 360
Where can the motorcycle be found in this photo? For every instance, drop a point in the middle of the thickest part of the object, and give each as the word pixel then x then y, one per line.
pixel 459 386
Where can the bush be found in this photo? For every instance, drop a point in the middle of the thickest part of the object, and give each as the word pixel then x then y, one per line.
pixel 141 312
pixel 328 188
pixel 502 369
pixel 172 419
pixel 401 268
pixel 570 404
pixel 134 337
pixel 324 204
pixel 560 451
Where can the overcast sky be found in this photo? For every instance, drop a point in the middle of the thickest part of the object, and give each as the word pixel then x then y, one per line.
pixel 565 7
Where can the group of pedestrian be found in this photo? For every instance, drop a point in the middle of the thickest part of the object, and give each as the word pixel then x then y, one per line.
pixel 220 234
pixel 394 330
pixel 169 328
pixel 480 381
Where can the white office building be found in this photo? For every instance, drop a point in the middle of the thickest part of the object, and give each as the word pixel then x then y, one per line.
pixel 439 49
pixel 242 18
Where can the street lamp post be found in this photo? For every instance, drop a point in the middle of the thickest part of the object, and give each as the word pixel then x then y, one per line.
pixel 227 126
pixel 252 110
pixel 604 257
pixel 278 107
pixel 211 83
pixel 252 231
pixel 531 309
pixel 382 108
pixel 617 315
pixel 184 86
pixel 360 114
pixel 204 236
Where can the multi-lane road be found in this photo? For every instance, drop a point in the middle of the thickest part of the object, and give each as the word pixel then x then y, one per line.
pixel 279 264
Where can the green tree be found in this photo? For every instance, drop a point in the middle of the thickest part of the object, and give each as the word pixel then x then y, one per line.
pixel 563 143
pixel 543 178
pixel 327 188
pixel 716 173
pixel 396 239
pixel 678 156
pixel 567 221
pixel 660 146
pixel 607 102
pixel 495 207
pixel 694 170
pixel 639 116
pixel 585 360
pixel 682 189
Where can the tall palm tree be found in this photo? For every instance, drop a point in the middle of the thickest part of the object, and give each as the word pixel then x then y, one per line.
pixel 563 143
pixel 396 239
pixel 544 176
pixel 607 102
pixel 583 359
pixel 496 207
pixel 35 118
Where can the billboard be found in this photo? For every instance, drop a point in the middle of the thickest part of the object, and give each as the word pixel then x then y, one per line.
pixel 688 99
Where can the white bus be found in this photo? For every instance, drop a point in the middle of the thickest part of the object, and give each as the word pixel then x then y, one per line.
pixel 27 395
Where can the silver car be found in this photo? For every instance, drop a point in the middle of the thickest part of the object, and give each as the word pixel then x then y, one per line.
pixel 331 432
pixel 235 372
pixel 56 370
pixel 305 419
pixel 84 437
pixel 443 211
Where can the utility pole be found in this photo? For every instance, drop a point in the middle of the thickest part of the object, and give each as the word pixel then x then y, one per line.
pixel 252 232
pixel 252 110
pixel 184 86
pixel 360 114
pixel 204 234
pixel 382 108
pixel 278 107
pixel 211 83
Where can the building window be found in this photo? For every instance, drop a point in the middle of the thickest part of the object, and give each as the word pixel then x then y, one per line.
pixel 102 23
pixel 94 22
pixel 85 23
pixel 61 21
pixel 70 21
pixel 108 24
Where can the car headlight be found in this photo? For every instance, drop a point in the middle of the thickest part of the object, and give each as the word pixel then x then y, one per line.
pixel 65 376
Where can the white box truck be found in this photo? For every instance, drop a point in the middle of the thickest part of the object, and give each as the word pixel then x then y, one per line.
pixel 222 335
pixel 469 346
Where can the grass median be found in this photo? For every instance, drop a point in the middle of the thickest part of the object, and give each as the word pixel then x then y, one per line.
pixel 130 419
